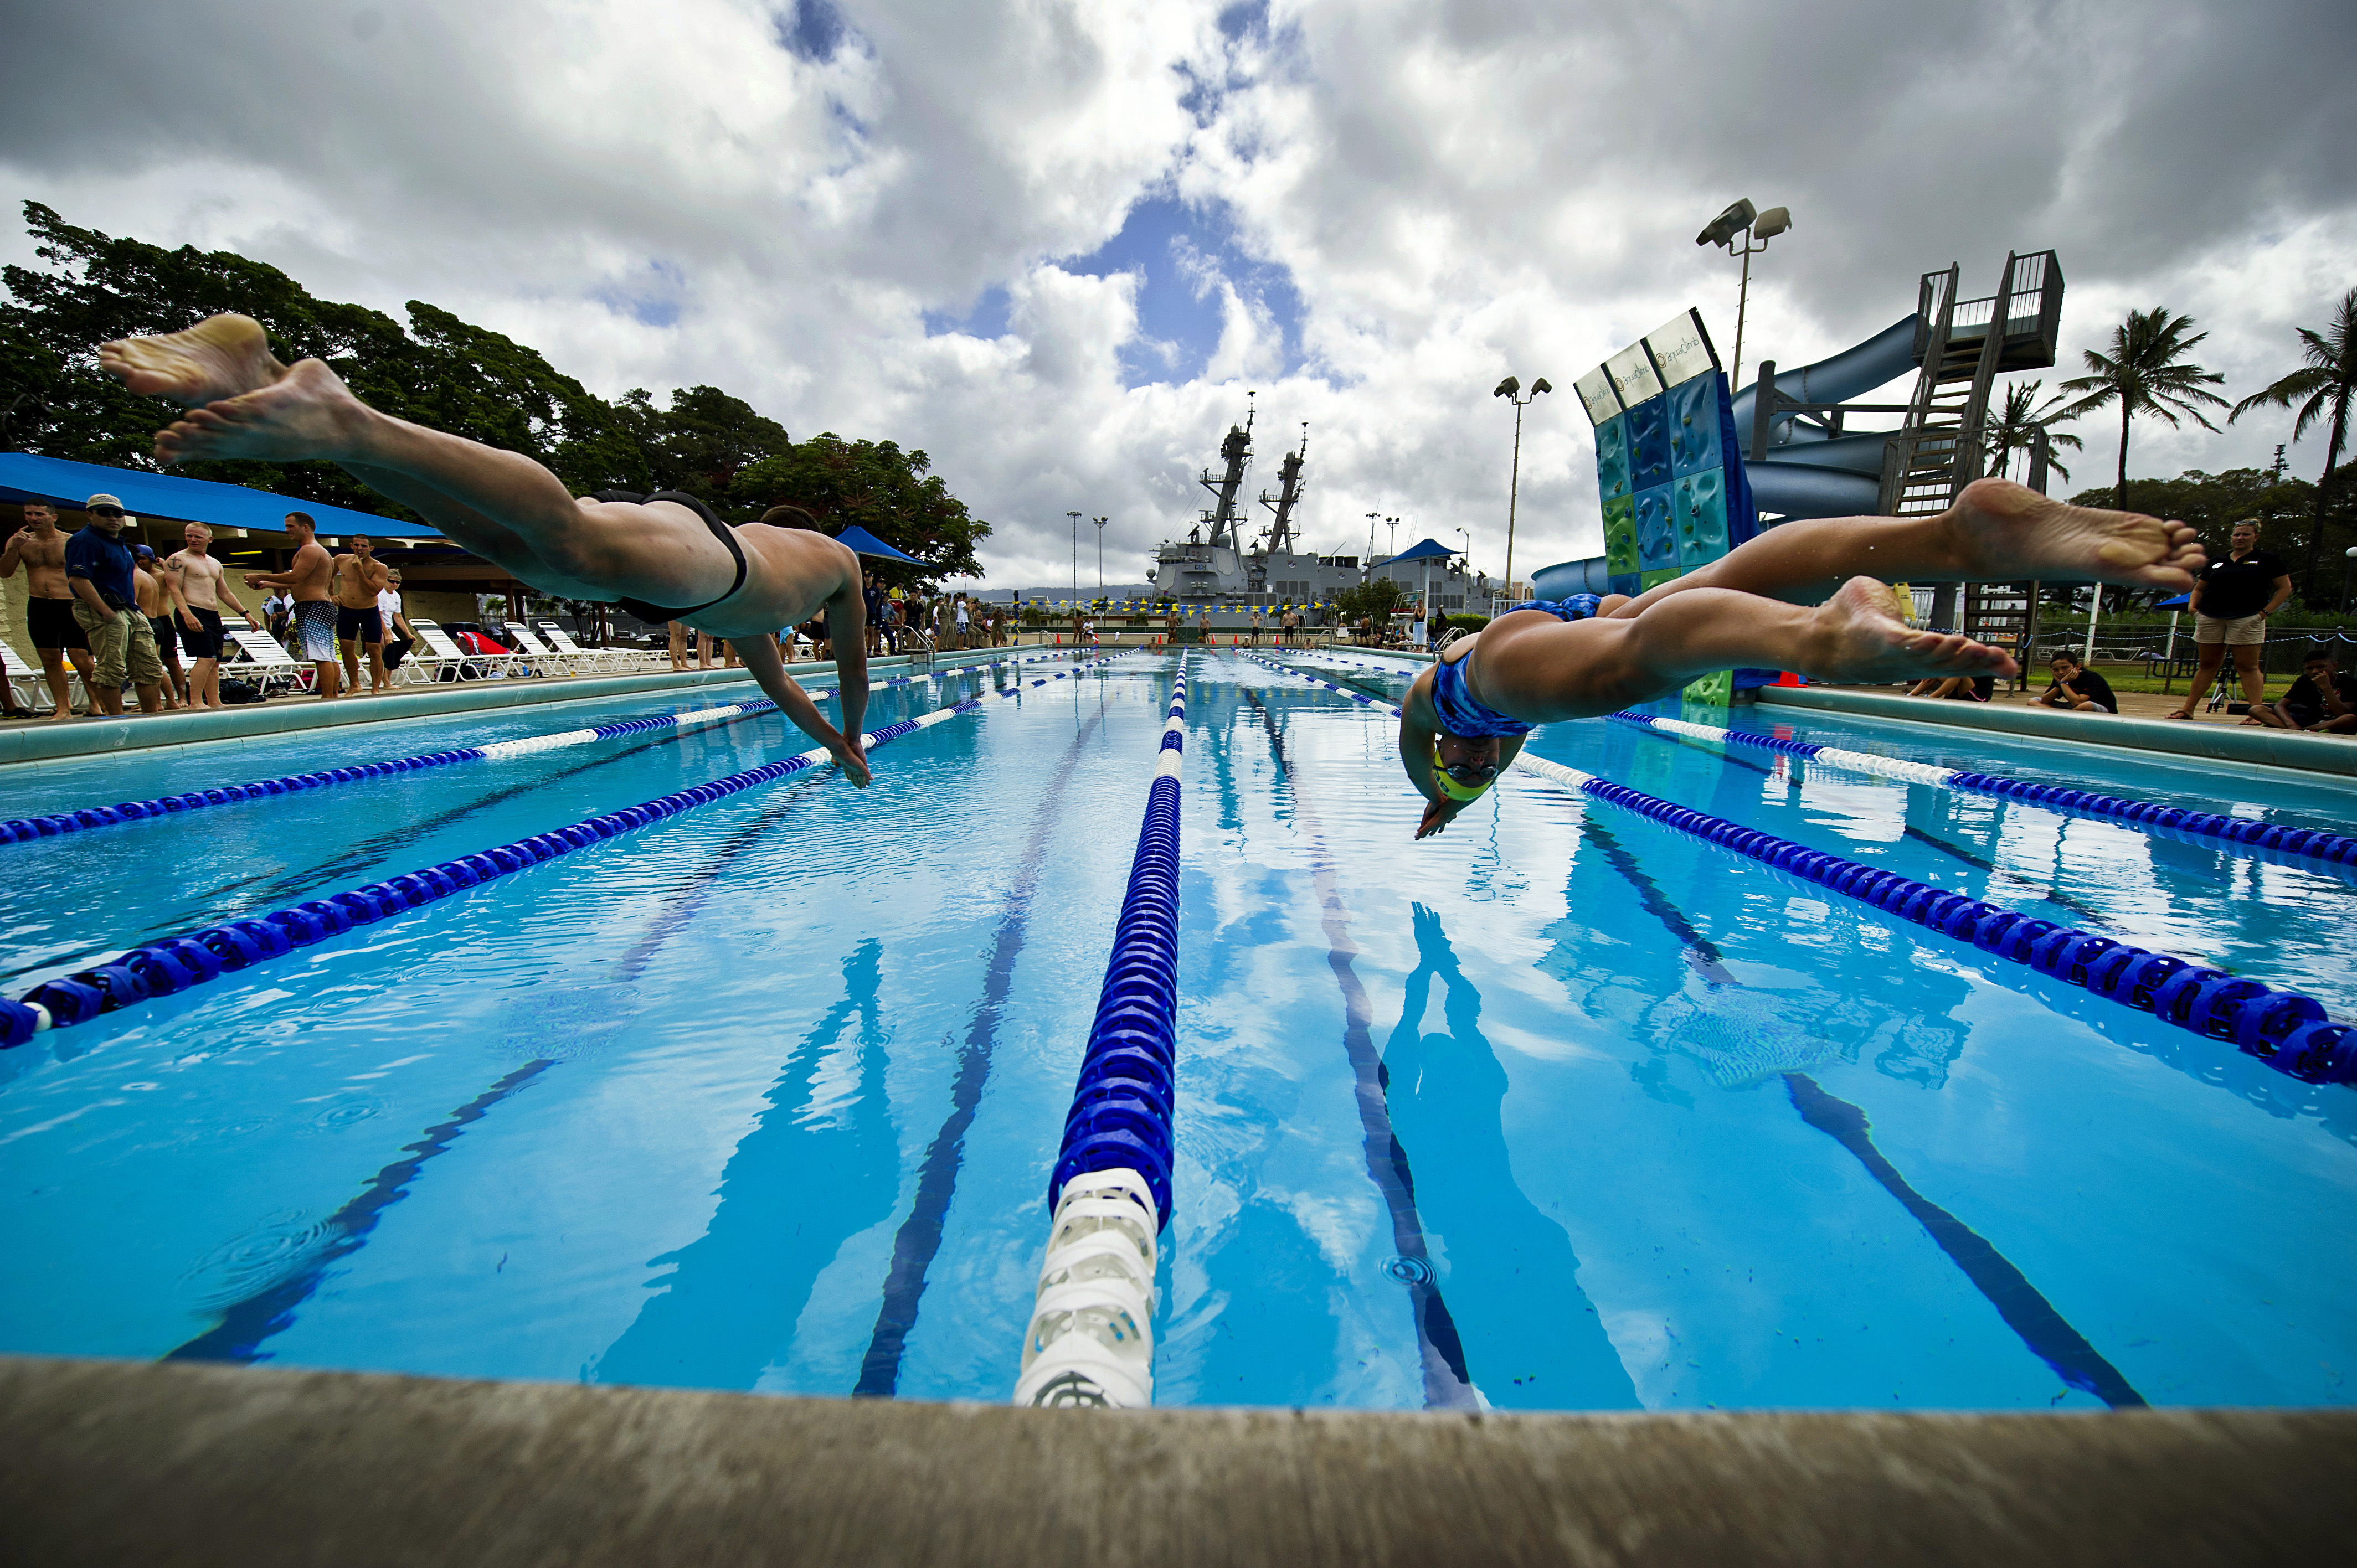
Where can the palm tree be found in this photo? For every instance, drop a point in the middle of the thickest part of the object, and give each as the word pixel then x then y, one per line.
pixel 2325 381
pixel 2016 428
pixel 2143 374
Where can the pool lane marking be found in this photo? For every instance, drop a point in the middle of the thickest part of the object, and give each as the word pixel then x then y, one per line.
pixel 168 967
pixel 2021 1304
pixel 918 1240
pixel 2308 849
pixel 248 1322
pixel 1447 1383
pixel 2024 1308
pixel 24 830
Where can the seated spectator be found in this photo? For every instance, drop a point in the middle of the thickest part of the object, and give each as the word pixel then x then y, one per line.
pixel 2323 700
pixel 1963 688
pixel 2078 688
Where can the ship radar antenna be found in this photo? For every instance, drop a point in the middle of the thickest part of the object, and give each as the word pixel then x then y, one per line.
pixel 1249 411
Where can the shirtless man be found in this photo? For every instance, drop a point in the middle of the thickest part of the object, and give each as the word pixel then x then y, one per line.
pixel 359 577
pixel 313 632
pixel 57 636
pixel 202 587
pixel 645 554
pixel 1465 717
pixel 153 592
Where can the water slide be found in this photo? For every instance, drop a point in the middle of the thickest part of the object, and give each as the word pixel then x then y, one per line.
pixel 1805 473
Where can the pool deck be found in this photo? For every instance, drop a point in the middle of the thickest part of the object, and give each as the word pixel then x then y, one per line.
pixel 109 1462
pixel 41 741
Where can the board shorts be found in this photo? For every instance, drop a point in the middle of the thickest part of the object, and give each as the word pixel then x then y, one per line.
pixel 160 627
pixel 53 625
pixel 315 630
pixel 122 645
pixel 366 625
pixel 204 642
pixel 2241 631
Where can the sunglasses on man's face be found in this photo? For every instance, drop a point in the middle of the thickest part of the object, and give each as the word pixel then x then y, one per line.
pixel 106 512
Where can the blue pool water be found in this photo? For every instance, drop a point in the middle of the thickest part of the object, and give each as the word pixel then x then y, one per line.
pixel 1560 1109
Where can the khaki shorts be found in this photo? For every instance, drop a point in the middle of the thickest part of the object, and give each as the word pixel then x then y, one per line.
pixel 120 643
pixel 2241 631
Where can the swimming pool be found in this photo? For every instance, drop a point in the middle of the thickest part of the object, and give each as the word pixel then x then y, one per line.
pixel 1563 1109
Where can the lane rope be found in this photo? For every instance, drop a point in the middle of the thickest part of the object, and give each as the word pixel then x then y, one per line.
pixel 173 964
pixel 24 830
pixel 1089 1340
pixel 2288 1030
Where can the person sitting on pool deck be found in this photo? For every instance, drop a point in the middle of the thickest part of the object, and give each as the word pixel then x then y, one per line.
pixel 2078 688
pixel 2323 699
pixel 1957 688
pixel 1758 605
pixel 647 554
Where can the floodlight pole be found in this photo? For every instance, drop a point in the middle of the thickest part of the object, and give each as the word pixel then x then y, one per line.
pixel 1514 473
pixel 1076 556
pixel 1100 522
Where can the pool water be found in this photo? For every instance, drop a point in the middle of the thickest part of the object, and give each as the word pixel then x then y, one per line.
pixel 1562 1108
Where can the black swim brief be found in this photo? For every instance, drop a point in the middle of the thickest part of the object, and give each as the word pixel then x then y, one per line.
pixel 52 625
pixel 366 625
pixel 655 614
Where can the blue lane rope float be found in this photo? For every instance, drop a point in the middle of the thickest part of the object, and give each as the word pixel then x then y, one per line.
pixel 168 967
pixel 1090 1339
pixel 24 830
pixel 1359 697
pixel 2241 833
pixel 2285 1030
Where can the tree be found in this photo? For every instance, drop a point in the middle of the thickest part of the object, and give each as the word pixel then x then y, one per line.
pixel 2325 384
pixel 2213 503
pixel 877 486
pixel 1377 596
pixel 2016 424
pixel 2147 372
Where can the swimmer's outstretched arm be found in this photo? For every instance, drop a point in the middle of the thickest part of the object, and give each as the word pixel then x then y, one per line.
pixel 760 657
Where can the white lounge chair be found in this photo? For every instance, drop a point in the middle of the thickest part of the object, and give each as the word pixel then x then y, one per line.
pixel 546 661
pixel 266 660
pixel 469 666
pixel 612 661
pixel 29 688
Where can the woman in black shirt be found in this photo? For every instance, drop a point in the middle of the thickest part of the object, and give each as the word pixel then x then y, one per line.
pixel 2230 601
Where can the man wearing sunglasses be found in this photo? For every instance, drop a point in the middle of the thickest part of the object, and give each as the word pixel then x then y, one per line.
pixel 106 606
pixel 1801 596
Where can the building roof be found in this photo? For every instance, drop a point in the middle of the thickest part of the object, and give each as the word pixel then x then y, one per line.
pixel 175 498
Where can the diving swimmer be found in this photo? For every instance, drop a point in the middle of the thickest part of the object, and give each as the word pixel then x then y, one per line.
pixel 1801 596
pixel 652 555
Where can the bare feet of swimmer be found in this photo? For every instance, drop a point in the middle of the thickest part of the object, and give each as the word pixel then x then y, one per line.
pixel 244 403
pixel 2004 531
pixel 1859 638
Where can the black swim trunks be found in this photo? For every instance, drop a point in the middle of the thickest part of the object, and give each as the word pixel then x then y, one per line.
pixel 366 625
pixel 655 614
pixel 205 642
pixel 166 645
pixel 52 625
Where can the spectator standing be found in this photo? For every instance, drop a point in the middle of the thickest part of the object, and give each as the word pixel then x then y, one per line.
pixel 157 604
pixel 357 578
pixel 57 636
pixel 1256 626
pixel 965 612
pixel 679 634
pixel 399 637
pixel 873 597
pixel 2231 601
pixel 2078 688
pixel 2323 699
pixel 200 584
pixel 314 612
pixel 101 568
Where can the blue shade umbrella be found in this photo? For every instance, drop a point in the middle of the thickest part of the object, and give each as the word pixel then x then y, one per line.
pixel 866 544
pixel 175 498
pixel 2179 603
pixel 1425 549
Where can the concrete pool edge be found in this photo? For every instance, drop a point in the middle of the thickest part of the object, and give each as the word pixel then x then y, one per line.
pixel 2196 742
pixel 122 1461
pixel 147 732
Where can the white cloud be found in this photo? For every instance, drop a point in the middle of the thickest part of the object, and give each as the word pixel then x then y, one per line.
pixel 1457 191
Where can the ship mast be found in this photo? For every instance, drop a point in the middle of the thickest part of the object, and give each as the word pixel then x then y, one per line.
pixel 1288 491
pixel 1237 450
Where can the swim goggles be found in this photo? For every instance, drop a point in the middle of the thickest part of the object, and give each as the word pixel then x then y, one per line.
pixel 1453 781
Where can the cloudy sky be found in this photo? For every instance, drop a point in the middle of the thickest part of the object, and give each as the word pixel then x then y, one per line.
pixel 1054 243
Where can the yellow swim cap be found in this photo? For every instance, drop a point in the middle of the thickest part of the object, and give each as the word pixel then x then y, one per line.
pixel 1450 786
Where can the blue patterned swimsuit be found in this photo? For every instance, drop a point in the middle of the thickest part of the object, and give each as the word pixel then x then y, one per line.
pixel 1460 713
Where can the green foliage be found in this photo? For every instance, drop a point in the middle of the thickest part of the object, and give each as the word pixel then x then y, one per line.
pixel 2323 387
pixel 891 493
pixel 440 371
pixel 2287 510
pixel 1377 596
pixel 2147 372
pixel 2013 429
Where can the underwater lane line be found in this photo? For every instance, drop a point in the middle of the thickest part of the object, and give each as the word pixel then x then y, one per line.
pixel 1447 1383
pixel 246 1324
pixel 166 967
pixel 918 1240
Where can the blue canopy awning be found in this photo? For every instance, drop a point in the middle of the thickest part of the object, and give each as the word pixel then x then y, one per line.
pixel 1427 549
pixel 866 544
pixel 2177 603
pixel 66 485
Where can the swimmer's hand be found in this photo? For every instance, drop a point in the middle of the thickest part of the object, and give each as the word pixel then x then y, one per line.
pixel 1437 814
pixel 852 761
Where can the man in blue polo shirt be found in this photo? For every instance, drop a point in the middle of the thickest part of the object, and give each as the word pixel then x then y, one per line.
pixel 106 607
